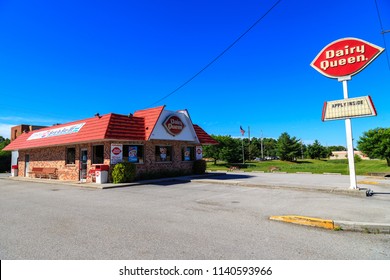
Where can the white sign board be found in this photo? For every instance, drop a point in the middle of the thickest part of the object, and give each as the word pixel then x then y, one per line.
pixel 348 108
pixel 116 153
pixel 57 131
pixel 198 152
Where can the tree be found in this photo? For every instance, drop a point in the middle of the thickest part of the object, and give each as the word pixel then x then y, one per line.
pixel 316 150
pixel 337 148
pixel 211 151
pixel 5 156
pixel 229 149
pixel 288 148
pixel 376 143
pixel 270 147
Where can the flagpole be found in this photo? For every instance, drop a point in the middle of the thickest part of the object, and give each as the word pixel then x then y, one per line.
pixel 243 154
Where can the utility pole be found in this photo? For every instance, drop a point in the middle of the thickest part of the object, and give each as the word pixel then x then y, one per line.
pixel 249 145
pixel 261 145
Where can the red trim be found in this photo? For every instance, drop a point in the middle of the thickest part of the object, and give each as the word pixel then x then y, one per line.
pixel 372 104
pixel 324 110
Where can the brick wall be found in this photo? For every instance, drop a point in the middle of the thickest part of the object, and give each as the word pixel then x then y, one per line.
pixel 56 157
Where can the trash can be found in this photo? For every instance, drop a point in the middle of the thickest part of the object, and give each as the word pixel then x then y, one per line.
pixel 101 172
pixel 14 170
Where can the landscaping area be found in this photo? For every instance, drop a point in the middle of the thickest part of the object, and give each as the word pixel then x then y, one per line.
pixel 363 167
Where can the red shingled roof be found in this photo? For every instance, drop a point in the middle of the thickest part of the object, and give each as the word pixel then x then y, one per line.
pixel 107 127
pixel 125 127
pixel 203 137
pixel 151 117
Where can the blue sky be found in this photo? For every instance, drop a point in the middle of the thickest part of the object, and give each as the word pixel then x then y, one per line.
pixel 62 61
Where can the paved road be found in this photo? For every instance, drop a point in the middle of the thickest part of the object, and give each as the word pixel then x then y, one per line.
pixel 176 220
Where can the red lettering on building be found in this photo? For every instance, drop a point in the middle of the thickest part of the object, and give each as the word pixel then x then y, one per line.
pixel 173 125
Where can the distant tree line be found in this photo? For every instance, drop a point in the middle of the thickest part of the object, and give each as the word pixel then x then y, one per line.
pixel 285 147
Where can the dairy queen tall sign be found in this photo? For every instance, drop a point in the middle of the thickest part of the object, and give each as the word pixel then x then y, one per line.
pixel 345 57
pixel 342 59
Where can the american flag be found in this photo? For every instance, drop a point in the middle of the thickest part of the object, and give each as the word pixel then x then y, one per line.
pixel 242 131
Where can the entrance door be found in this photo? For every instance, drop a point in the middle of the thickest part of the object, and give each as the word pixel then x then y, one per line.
pixel 83 164
pixel 26 165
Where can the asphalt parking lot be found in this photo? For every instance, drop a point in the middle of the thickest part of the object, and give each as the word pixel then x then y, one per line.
pixel 180 220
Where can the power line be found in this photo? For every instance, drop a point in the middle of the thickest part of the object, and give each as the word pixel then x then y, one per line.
pixel 218 56
pixel 382 32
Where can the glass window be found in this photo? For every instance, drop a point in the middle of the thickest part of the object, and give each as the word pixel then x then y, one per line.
pixel 70 155
pixel 133 153
pixel 188 154
pixel 98 154
pixel 163 153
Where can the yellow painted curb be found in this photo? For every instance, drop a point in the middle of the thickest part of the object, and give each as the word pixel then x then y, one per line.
pixel 307 221
pixel 368 182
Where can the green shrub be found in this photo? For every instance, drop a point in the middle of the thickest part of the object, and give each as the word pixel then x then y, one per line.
pixel 357 158
pixel 124 172
pixel 199 166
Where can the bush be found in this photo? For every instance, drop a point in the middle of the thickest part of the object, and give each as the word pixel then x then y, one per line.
pixel 357 158
pixel 199 166
pixel 5 163
pixel 124 172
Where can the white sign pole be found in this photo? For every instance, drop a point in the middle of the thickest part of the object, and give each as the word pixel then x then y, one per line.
pixel 348 130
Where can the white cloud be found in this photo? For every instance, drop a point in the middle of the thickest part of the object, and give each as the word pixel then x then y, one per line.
pixel 5 130
pixel 24 120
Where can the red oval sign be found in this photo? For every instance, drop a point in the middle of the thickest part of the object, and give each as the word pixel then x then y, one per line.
pixel 174 125
pixel 345 57
pixel 116 151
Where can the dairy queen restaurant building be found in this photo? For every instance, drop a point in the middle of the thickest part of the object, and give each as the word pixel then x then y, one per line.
pixel 156 140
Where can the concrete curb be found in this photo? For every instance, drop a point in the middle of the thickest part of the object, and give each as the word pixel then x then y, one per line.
pixel 334 225
pixel 356 193
pixel 363 227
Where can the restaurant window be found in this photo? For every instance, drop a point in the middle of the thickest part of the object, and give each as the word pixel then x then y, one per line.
pixel 133 153
pixel 163 153
pixel 98 154
pixel 188 154
pixel 70 155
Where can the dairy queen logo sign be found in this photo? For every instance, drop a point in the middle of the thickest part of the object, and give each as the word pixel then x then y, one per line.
pixel 116 151
pixel 345 57
pixel 174 125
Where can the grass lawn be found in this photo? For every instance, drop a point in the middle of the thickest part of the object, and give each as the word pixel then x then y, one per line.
pixel 308 165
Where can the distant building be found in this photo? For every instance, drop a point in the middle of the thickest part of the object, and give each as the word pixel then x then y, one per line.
pixel 19 129
pixel 344 155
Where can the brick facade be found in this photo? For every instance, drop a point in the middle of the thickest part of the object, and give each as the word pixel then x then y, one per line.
pixel 56 157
